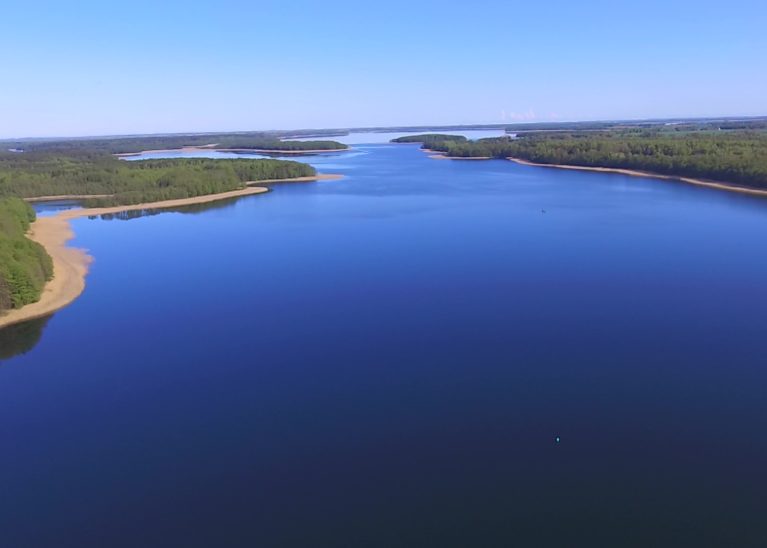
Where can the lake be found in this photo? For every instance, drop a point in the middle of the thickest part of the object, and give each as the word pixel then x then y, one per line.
pixel 425 353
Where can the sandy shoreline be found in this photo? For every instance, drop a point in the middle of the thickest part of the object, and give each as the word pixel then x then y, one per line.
pixel 325 177
pixel 209 148
pixel 70 265
pixel 439 155
pixel 311 178
pixel 635 173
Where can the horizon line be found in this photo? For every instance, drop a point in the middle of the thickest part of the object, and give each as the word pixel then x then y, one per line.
pixel 372 129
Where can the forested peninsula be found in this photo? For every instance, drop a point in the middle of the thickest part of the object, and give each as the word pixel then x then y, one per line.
pixel 117 182
pixel 89 171
pixel 735 157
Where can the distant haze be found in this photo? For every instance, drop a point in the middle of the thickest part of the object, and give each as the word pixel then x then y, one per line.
pixel 96 68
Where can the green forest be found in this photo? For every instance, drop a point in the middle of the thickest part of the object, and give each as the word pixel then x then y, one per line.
pixel 737 157
pixel 24 264
pixel 127 145
pixel 429 139
pixel 31 174
pixel 277 144
pixel 676 125
pixel 734 154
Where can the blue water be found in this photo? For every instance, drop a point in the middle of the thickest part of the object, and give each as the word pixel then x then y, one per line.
pixel 367 138
pixel 389 359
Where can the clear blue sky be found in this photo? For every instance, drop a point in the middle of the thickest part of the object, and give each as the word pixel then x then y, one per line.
pixel 89 68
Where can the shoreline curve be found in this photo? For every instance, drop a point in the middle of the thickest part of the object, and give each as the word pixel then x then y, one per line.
pixel 70 264
pixel 718 185
pixel 439 155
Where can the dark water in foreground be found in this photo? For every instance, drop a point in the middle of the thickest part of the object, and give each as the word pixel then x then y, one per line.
pixel 387 360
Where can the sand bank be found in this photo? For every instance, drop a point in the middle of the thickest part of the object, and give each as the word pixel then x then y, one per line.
pixel 70 265
pixel 469 157
pixel 320 177
pixel 636 173
pixel 439 155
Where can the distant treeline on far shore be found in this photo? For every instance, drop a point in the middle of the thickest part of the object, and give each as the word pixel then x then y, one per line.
pixel 127 145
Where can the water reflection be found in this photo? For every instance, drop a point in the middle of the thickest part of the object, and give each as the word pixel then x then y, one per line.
pixel 19 339
pixel 51 207
pixel 149 212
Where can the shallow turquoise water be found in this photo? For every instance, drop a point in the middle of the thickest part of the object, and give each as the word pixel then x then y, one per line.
pixel 388 360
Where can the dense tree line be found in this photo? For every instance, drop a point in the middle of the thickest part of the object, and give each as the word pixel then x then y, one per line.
pixel 276 144
pixel 24 264
pixel 429 139
pixel 731 157
pixel 31 174
pixel 670 125
pixel 125 145
pixel 493 147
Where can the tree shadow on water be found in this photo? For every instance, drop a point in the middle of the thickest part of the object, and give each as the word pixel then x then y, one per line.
pixel 188 209
pixel 19 339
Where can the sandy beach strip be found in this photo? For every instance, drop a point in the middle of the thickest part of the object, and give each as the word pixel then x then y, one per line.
pixel 70 265
pixel 635 173
pixel 310 179
pixel 443 157
pixel 439 155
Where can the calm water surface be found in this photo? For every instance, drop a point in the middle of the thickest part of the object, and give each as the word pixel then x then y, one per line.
pixel 388 360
